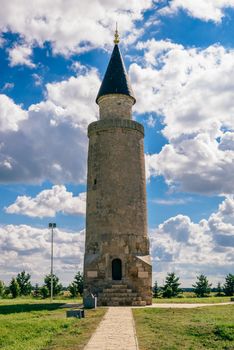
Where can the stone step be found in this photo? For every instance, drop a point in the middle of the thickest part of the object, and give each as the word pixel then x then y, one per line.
pixel 116 299
pixel 116 290
pixel 120 291
pixel 120 299
pixel 113 303
pixel 121 303
pixel 120 286
pixel 113 294
pixel 139 303
pixel 119 294
pixel 106 296
pixel 138 298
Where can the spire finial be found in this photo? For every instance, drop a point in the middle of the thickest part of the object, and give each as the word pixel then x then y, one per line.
pixel 116 39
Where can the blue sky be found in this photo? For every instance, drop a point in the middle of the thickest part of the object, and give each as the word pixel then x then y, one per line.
pixel 180 59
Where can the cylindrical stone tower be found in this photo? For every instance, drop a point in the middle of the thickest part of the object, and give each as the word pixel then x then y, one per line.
pixel 117 265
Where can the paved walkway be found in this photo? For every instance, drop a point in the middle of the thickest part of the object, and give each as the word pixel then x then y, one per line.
pixel 186 305
pixel 115 332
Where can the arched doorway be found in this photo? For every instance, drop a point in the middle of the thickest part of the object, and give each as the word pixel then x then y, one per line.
pixel 116 269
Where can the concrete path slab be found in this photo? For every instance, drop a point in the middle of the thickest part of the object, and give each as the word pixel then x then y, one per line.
pixel 115 332
pixel 183 306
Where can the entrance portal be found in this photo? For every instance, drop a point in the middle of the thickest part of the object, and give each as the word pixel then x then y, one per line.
pixel 116 269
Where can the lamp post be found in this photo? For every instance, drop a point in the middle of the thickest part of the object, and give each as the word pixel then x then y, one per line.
pixel 51 225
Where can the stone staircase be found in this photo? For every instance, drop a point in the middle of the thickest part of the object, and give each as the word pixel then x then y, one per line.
pixel 119 295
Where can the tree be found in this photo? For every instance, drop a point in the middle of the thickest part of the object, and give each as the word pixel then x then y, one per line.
pixel 14 288
pixel 57 287
pixel 171 286
pixel 219 290
pixel 229 285
pixel 44 292
pixel 202 286
pixel 77 286
pixel 7 291
pixel 24 283
pixel 36 291
pixel 73 289
pixel 79 281
pixel 156 290
pixel 2 288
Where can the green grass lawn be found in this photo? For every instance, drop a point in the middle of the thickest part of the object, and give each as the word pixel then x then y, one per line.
pixel 30 324
pixel 192 300
pixel 185 329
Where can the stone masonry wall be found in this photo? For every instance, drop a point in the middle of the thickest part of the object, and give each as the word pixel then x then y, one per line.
pixel 116 197
pixel 116 218
pixel 115 106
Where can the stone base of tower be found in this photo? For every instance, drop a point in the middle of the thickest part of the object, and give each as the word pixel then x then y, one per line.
pixel 121 281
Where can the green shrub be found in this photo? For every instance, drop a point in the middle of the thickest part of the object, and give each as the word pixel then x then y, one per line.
pixel 14 288
pixel 44 292
pixel 225 332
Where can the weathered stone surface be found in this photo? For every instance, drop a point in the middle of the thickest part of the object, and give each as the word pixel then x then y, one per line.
pixel 116 218
pixel 92 274
pixel 115 105
pixel 119 295
pixel 142 274
pixel 103 125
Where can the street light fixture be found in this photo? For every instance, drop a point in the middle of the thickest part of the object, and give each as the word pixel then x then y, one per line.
pixel 52 225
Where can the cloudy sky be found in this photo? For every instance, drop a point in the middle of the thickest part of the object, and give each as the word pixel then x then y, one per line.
pixel 180 58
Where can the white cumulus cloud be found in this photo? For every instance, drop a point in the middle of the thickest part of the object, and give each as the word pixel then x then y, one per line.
pixel 49 140
pixel 73 99
pixel 21 55
pixel 11 114
pixel 195 165
pixel 71 25
pixel 189 248
pixel 49 202
pixel 205 10
pixel 192 89
pixel 27 248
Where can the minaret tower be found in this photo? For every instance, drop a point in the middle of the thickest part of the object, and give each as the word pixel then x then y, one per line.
pixel 117 265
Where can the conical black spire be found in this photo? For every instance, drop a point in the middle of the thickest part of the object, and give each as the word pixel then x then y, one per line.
pixel 116 80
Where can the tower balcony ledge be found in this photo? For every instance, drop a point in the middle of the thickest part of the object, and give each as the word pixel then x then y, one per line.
pixel 105 124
